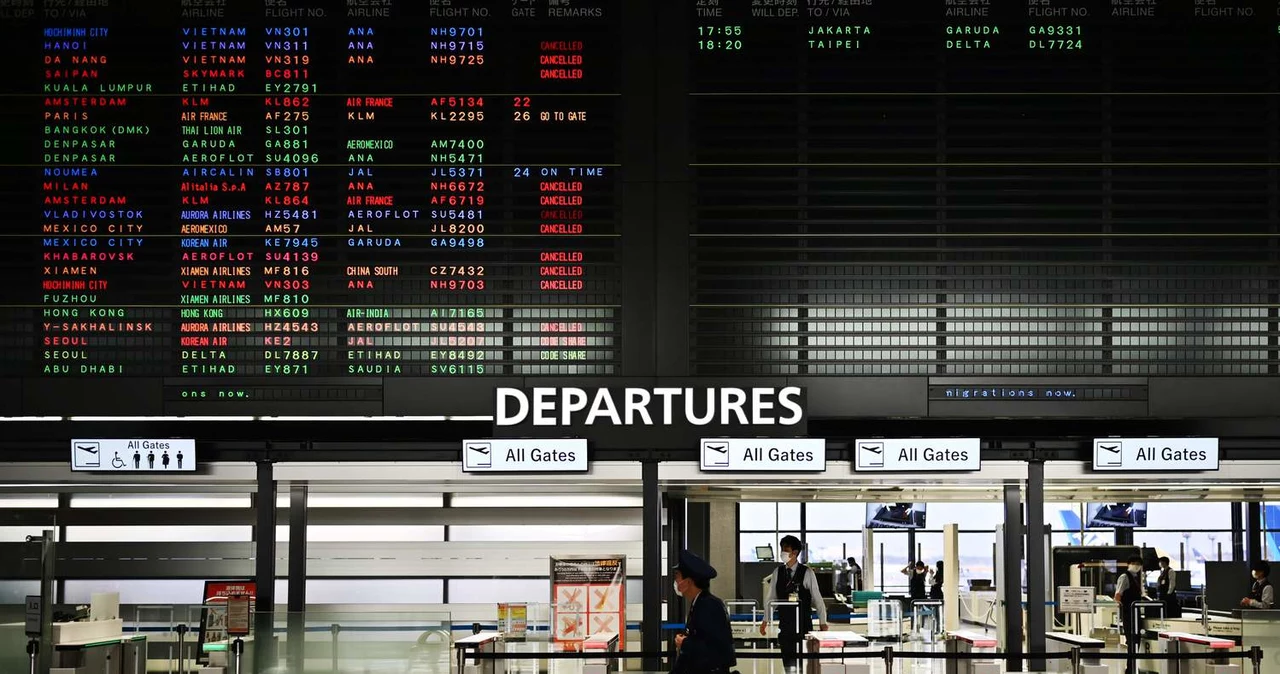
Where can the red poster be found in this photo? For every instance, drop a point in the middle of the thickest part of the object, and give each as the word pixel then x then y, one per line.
pixel 589 596
pixel 213 619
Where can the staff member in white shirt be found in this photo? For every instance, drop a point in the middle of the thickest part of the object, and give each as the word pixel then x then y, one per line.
pixel 793 581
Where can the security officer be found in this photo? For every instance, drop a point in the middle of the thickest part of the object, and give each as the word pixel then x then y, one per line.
pixel 706 645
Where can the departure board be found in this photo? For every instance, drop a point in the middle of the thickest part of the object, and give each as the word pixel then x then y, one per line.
pixel 237 194
pixel 983 187
pixel 364 207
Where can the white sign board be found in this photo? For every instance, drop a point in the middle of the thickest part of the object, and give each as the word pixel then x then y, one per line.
pixel 1155 454
pixel 558 455
pixel 137 455
pixel 909 455
pixel 1073 599
pixel 778 455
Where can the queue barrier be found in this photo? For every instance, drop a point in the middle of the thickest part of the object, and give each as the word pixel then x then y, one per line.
pixel 889 655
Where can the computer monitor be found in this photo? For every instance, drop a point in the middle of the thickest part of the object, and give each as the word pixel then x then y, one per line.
pixel 895 515
pixel 826 582
pixel 1105 515
pixel 764 553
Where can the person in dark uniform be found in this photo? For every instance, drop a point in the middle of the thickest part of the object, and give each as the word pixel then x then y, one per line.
pixel 793 582
pixel 1262 595
pixel 1129 588
pixel 916 574
pixel 706 645
pixel 1164 582
pixel 1165 591
pixel 935 587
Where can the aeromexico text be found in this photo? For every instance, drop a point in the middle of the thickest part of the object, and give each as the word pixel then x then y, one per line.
pixel 658 406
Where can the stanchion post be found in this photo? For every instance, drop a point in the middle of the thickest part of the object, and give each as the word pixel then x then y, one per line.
pixel 888 659
pixel 182 636
pixel 1075 660
pixel 237 653
pixel 334 629
pixel 1255 655
pixel 33 650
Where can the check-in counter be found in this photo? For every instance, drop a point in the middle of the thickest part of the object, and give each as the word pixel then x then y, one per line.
pixel 972 642
pixel 115 654
pixel 604 643
pixel 1186 642
pixel 482 642
pixel 1262 629
pixel 836 644
pixel 1063 642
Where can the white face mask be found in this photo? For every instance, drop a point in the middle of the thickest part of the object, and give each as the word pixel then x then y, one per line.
pixel 788 556
pixel 676 584
pixel 1134 568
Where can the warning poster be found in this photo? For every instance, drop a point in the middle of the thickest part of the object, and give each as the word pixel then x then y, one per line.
pixel 588 596
pixel 214 615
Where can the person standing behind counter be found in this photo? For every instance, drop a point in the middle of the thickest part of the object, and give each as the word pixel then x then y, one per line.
pixel 1263 594
pixel 793 581
pixel 706 645
pixel 1129 589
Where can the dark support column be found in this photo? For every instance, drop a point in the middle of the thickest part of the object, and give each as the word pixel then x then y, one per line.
pixel 48 571
pixel 1253 529
pixel 264 537
pixel 297 576
pixel 676 534
pixel 64 505
pixel 1012 579
pixel 1237 533
pixel 911 547
pixel 1124 536
pixel 697 528
pixel 1036 564
pixel 651 626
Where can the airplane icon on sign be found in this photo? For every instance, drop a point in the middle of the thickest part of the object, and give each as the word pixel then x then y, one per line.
pixel 715 454
pixel 479 455
pixel 88 455
pixel 1108 454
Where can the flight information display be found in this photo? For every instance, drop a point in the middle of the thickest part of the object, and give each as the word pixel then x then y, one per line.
pixel 232 193
pixel 984 187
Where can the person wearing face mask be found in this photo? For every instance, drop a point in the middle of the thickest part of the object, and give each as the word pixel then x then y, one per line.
pixel 1129 588
pixel 794 582
pixel 706 645
pixel 917 573
pixel 1262 595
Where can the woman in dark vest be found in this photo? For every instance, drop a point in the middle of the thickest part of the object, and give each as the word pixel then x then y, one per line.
pixel 916 576
pixel 1262 594
pixel 1129 587
pixel 935 588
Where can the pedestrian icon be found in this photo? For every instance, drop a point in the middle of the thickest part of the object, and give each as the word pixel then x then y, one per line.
pixel 116 461
pixel 151 460
pixel 164 459
pixel 179 459
pixel 137 460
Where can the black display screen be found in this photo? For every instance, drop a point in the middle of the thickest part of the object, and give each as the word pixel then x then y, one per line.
pixel 322 205
pixel 984 187
pixel 248 191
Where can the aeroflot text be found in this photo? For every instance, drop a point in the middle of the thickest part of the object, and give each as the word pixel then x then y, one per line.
pixel 638 407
